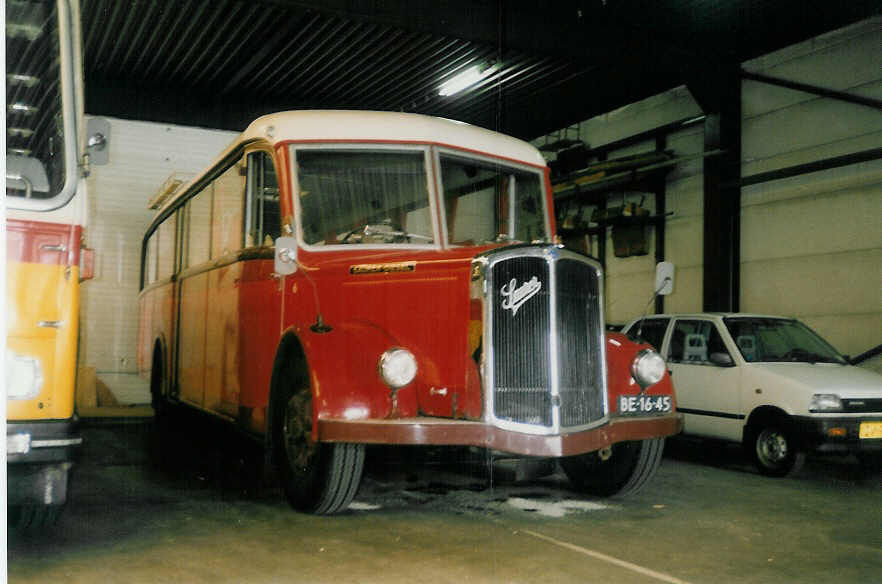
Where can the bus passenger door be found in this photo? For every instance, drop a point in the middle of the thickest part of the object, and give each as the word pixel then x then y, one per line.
pixel 259 292
pixel 222 321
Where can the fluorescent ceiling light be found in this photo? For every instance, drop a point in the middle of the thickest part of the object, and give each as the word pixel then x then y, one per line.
pixel 464 80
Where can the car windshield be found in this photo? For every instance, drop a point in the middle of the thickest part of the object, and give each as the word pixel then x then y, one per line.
pixel 777 340
pixel 487 202
pixel 359 196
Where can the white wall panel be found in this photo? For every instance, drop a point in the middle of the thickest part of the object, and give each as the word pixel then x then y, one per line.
pixel 843 60
pixel 811 245
pixel 840 221
pixel 823 289
pixel 142 156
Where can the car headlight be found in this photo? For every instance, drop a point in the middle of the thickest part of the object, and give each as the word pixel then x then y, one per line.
pixel 648 367
pixel 825 402
pixel 24 376
pixel 398 367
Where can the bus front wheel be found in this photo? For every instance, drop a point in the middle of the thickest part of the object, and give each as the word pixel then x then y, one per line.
pixel 320 478
pixel 624 470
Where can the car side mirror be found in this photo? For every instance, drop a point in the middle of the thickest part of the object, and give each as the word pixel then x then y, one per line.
pixel 285 256
pixel 722 359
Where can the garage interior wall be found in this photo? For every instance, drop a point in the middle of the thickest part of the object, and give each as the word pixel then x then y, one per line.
pixel 811 245
pixel 142 156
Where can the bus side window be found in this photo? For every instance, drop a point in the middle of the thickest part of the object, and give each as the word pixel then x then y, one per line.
pixel 229 190
pixel 197 232
pixel 166 248
pixel 150 259
pixel 263 220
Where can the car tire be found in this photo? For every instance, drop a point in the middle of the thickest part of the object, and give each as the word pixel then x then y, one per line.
pixel 320 478
pixel 774 449
pixel 624 472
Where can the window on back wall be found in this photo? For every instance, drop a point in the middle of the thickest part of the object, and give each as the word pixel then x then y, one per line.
pixel 263 217
pixel 226 228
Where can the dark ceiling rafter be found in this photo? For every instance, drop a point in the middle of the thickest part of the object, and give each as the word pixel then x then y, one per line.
pixel 220 63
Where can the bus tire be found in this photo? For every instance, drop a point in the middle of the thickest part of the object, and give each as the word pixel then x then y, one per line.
pixel 625 471
pixel 157 382
pixel 317 477
pixel 33 518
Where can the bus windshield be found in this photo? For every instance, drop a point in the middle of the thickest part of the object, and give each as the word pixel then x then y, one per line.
pixel 352 196
pixel 488 202
pixel 360 196
pixel 39 150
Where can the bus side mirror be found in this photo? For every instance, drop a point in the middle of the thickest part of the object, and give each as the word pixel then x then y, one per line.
pixel 98 141
pixel 285 256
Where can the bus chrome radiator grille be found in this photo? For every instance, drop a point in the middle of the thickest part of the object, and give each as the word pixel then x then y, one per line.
pixel 544 369
pixel 580 344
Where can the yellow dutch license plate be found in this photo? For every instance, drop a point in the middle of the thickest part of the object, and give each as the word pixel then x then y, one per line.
pixel 871 430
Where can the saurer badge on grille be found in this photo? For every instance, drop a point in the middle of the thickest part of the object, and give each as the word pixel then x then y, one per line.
pixel 514 296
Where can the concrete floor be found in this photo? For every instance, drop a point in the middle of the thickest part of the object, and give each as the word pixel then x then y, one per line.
pixel 439 516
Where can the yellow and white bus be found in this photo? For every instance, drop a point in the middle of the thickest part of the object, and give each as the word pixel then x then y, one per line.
pixel 45 257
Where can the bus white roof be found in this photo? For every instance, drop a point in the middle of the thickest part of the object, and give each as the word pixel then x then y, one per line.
pixel 373 126
pixel 335 125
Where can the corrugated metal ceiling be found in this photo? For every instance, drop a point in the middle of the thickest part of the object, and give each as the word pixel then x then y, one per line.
pixel 221 63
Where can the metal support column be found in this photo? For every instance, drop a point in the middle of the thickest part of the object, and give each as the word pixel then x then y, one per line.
pixel 658 187
pixel 722 192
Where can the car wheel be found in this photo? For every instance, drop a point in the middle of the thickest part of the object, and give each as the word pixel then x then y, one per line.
pixel 317 477
pixel 774 449
pixel 626 469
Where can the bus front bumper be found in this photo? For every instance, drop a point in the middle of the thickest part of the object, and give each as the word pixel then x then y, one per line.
pixel 39 458
pixel 468 433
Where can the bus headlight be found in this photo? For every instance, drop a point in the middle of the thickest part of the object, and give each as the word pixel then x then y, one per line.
pixel 24 376
pixel 398 367
pixel 648 367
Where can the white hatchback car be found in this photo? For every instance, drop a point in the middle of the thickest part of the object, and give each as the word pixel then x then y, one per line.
pixel 770 383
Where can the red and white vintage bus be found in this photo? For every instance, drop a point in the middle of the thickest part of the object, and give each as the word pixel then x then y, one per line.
pixel 45 260
pixel 338 278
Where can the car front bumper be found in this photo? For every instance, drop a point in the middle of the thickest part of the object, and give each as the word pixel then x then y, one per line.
pixel 837 434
